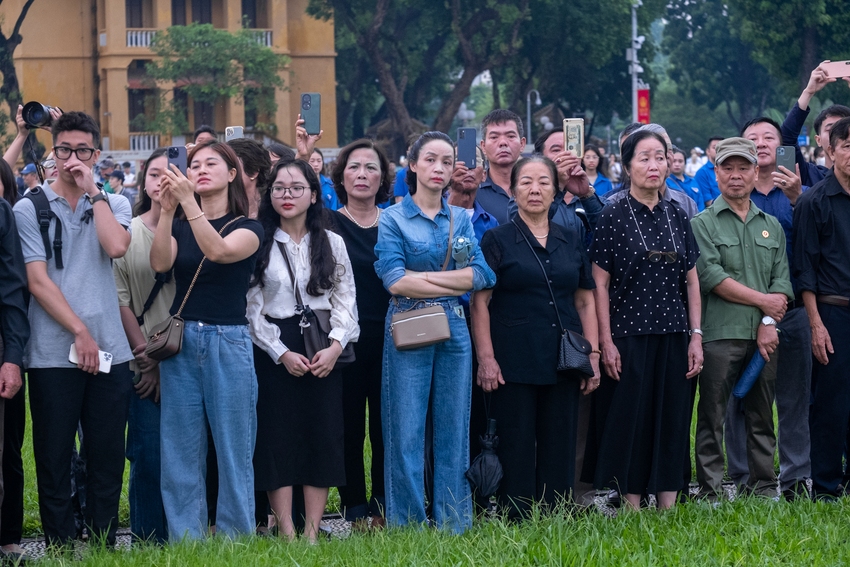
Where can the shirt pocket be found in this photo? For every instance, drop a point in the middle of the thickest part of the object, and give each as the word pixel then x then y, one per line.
pixel 512 322
pixel 731 257
pixel 770 243
pixel 415 248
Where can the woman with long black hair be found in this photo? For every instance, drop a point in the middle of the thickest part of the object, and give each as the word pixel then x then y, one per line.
pixel 299 408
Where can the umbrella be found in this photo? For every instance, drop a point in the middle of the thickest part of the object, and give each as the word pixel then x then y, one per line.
pixel 485 473
pixel 750 375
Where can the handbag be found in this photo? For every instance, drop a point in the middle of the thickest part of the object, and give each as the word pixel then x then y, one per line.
pixel 574 350
pixel 315 324
pixel 414 328
pixel 166 339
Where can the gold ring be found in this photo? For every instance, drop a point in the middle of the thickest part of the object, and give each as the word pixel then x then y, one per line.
pixel 784 183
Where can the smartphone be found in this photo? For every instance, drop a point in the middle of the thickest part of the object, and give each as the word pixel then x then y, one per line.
pixel 233 132
pixel 837 69
pixel 466 144
pixel 105 359
pixel 177 156
pixel 311 112
pixel 786 158
pixel 574 135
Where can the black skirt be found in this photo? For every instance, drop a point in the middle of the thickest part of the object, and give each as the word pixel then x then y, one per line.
pixel 299 422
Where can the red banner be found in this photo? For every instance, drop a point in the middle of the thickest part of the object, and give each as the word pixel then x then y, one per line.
pixel 643 106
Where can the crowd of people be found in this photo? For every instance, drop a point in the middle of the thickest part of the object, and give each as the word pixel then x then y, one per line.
pixel 678 282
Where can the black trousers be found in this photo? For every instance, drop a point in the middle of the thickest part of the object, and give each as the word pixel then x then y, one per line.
pixel 12 510
pixel 60 398
pixel 831 404
pixel 362 386
pixel 537 428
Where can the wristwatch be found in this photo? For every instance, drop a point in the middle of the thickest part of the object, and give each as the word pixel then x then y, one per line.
pixel 101 196
pixel 695 332
pixel 768 320
pixel 590 192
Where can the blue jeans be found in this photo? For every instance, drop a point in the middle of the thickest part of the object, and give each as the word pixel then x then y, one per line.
pixel 441 373
pixel 147 517
pixel 211 380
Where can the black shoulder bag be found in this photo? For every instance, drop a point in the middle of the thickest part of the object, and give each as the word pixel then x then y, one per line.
pixel 315 325
pixel 574 352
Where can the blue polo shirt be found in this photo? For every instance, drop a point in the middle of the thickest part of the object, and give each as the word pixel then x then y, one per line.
pixel 777 204
pixel 494 200
pixel 329 197
pixel 482 221
pixel 400 188
pixel 689 187
pixel 706 181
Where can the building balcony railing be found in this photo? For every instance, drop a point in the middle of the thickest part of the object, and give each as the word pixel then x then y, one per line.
pixel 144 142
pixel 140 37
pixel 264 37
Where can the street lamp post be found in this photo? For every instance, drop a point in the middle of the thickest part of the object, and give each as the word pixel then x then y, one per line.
pixel 537 102
pixel 632 57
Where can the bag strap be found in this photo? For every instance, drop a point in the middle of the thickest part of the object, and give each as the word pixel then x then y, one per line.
pixel 201 265
pixel 291 273
pixel 451 230
pixel 43 215
pixel 545 275
pixel 161 280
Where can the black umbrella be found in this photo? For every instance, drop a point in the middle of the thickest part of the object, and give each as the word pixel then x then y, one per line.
pixel 485 473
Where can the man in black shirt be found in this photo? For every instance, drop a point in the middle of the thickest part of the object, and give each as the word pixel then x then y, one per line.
pixel 822 268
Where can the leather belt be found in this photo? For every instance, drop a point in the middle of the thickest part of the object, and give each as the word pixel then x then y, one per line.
pixel 838 300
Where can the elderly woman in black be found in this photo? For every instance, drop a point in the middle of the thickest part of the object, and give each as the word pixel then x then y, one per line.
pixel 517 337
pixel 362 181
pixel 648 302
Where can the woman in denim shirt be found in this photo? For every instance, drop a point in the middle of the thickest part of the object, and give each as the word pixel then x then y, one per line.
pixel 412 243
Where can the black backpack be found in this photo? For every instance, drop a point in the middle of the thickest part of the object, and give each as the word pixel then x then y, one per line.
pixel 43 214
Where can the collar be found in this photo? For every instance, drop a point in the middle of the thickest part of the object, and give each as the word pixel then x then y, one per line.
pixel 555 234
pixel 637 205
pixel 491 185
pixel 411 209
pixel 283 237
pixel 720 204
pixel 479 212
pixel 831 185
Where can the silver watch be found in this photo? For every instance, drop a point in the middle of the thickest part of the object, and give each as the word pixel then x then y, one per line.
pixel 768 320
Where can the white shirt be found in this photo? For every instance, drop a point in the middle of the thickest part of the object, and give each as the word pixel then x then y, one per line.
pixel 277 297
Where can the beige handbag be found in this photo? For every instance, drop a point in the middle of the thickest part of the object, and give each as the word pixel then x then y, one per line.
pixel 416 328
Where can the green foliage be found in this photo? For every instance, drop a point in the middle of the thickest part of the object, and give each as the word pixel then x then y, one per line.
pixel 209 64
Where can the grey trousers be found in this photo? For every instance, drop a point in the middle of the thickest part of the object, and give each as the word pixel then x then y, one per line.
pixel 793 399
pixel 725 360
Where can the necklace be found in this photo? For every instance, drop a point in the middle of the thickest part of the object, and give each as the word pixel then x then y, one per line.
pixel 539 237
pixel 669 227
pixel 374 222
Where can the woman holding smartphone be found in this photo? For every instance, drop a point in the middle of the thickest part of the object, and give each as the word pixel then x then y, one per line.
pixel 413 241
pixel 211 381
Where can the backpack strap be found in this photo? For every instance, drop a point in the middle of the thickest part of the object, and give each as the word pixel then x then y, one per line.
pixel 43 214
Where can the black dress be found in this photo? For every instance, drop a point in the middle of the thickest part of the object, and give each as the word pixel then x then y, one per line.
pixel 536 410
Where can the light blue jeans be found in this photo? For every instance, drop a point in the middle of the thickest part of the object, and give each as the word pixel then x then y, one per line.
pixel 441 373
pixel 211 380
pixel 147 517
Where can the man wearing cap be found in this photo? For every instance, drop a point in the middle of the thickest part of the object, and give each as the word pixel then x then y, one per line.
pixel 745 284
pixel 30 176
pixel 107 166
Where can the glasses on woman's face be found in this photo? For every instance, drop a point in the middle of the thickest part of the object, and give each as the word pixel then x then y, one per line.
pixel 657 256
pixel 295 191
pixel 83 154
pixel 48 164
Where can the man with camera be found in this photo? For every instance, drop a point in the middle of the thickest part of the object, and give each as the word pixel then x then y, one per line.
pixel 75 308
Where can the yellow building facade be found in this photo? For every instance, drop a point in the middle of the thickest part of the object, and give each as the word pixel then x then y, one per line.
pixel 89 55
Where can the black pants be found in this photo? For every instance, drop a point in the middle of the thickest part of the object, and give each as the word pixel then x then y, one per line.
pixel 60 398
pixel 537 428
pixel 831 404
pixel 12 510
pixel 362 386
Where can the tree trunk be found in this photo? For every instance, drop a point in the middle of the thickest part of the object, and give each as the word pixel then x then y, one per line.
pixel 451 103
pixel 497 97
pixel 10 90
pixel 809 56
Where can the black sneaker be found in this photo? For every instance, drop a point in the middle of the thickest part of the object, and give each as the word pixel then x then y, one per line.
pixel 798 490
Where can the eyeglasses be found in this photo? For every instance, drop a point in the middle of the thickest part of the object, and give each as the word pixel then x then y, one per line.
pixel 657 256
pixel 295 192
pixel 83 154
pixel 48 164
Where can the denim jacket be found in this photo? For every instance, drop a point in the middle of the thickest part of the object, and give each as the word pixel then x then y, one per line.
pixel 409 240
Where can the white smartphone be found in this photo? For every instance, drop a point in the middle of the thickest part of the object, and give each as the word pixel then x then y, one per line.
pixel 105 359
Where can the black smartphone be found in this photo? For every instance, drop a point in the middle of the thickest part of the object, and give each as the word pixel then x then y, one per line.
pixel 786 158
pixel 177 156
pixel 233 132
pixel 311 112
pixel 466 143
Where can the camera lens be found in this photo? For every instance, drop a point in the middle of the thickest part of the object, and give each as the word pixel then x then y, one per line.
pixel 173 152
pixel 36 114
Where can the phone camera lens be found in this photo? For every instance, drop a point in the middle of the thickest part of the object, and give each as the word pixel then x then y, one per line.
pixel 172 152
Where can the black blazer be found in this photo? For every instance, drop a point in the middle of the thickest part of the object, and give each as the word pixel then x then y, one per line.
pixel 523 324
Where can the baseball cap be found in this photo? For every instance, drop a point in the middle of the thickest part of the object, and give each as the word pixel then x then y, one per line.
pixel 28 168
pixel 736 147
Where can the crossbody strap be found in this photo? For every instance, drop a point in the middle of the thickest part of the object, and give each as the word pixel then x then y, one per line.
pixel 545 275
pixel 201 265
pixel 451 230
pixel 291 272
pixel 161 280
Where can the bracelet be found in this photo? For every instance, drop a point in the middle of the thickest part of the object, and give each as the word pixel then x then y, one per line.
pixel 596 351
pixel 199 215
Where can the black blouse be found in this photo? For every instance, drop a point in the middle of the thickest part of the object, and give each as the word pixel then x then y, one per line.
pixel 372 298
pixel 646 297
pixel 523 324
